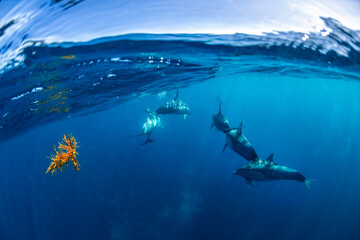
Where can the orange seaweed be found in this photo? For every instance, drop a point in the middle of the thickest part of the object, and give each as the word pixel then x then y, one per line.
pixel 68 57
pixel 65 153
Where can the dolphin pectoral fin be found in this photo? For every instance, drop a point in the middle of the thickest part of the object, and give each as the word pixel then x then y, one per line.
pixel 249 182
pixel 212 125
pixel 308 183
pixel 225 147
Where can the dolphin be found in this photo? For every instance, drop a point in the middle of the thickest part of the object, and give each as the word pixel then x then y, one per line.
pixel 236 140
pixel 267 170
pixel 152 122
pixel 220 121
pixel 174 106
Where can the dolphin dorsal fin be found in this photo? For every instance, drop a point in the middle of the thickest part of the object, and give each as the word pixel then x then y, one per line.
pixel 177 95
pixel 220 108
pixel 239 131
pixel 270 158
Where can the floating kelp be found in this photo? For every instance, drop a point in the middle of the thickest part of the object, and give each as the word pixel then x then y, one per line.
pixel 65 153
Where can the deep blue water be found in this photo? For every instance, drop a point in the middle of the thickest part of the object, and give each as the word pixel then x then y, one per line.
pixel 297 98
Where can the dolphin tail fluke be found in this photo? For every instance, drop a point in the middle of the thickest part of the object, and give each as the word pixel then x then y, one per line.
pixel 308 183
pixel 148 140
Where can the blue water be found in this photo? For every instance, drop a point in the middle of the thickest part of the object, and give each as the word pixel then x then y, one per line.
pixel 297 97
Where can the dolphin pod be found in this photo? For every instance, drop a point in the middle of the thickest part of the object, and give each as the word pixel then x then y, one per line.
pixel 257 169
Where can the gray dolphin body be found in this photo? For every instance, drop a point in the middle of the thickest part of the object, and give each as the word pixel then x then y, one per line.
pixel 267 170
pixel 236 140
pixel 220 121
pixel 174 106
pixel 152 122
